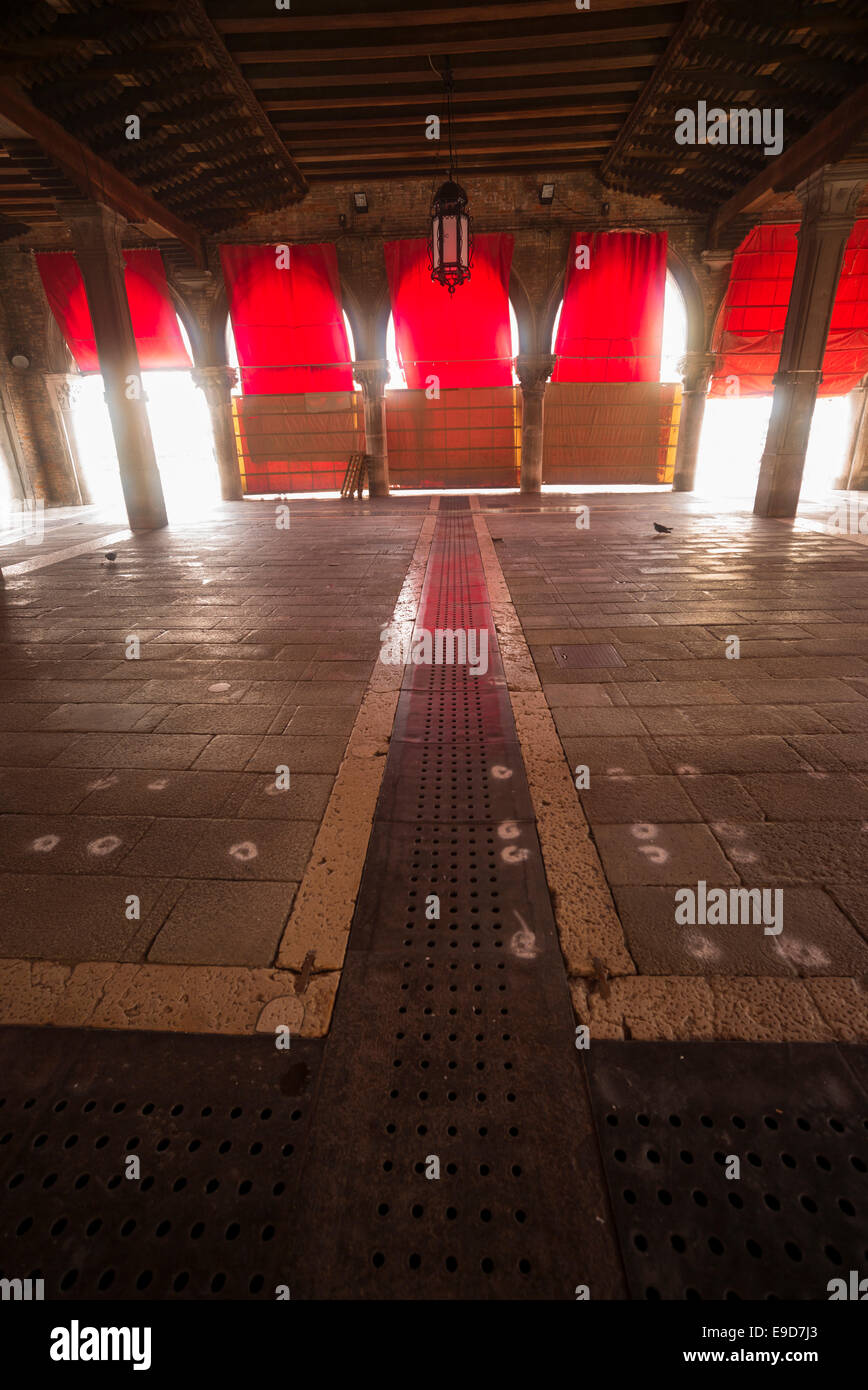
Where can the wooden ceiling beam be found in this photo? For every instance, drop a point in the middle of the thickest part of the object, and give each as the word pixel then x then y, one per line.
pixel 604 40
pixel 90 173
pixel 825 144
pixel 563 60
pixel 532 166
pixel 588 91
pixel 227 19
pixel 514 114
pixel 466 139
pixel 541 148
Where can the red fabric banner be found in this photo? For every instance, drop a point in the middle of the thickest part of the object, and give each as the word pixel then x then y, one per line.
pixel 155 324
pixel 611 325
pixel 750 328
pixel 288 323
pixel 464 338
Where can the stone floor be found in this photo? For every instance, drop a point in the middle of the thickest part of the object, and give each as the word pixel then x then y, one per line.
pixel 155 777
pixel 738 771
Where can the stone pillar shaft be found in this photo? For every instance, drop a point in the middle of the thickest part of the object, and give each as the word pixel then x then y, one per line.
pixel 372 377
pixel 96 238
pixel 829 198
pixel 696 368
pixel 216 383
pixel 533 373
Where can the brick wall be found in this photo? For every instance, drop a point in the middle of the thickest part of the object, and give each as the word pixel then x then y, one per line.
pixel 26 326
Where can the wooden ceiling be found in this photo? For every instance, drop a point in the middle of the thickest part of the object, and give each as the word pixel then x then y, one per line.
pixel 805 58
pixel 539 85
pixel 244 105
pixel 207 155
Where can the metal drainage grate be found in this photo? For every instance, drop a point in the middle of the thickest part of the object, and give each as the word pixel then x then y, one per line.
pixel 587 654
pixel 796 1115
pixel 453 1038
pixel 218 1124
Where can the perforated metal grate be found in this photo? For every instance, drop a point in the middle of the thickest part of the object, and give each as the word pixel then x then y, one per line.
pixel 670 1117
pixel 453 1036
pixel 217 1123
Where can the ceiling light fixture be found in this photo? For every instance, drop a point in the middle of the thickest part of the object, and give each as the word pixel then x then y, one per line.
pixel 450 248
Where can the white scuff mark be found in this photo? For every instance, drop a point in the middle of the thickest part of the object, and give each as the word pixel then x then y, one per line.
pixel 523 942
pixel 107 844
pixel 45 844
pixel 513 855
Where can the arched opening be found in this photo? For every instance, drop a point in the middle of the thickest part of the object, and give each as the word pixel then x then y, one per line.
pixel 232 351
pixel 181 430
pixel 674 329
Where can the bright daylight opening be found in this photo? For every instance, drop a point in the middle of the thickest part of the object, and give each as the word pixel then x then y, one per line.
pixel 183 442
pixel 734 435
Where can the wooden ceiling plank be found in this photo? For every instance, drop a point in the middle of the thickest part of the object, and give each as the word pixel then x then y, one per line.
pixel 228 20
pixel 490 43
pixel 589 90
pixel 517 116
pixel 569 61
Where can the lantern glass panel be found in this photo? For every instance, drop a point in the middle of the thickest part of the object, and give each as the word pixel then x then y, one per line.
pixel 450 240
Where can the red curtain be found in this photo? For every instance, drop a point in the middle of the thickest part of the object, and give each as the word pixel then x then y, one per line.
pixel 288 323
pixel 155 324
pixel 463 339
pixel 611 325
pixel 750 328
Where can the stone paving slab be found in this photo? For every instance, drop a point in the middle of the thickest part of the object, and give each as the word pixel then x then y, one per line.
pixel 746 771
pixel 154 776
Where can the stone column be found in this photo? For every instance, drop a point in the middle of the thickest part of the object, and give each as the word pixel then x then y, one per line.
pixel 695 369
pixel 372 377
pixel 857 472
pixel 856 399
pixel 96 238
pixel 21 486
pixel 829 199
pixel 64 391
pixel 533 372
pixel 217 383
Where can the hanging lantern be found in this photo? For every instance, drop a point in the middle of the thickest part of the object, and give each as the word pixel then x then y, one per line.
pixel 450 246
pixel 450 249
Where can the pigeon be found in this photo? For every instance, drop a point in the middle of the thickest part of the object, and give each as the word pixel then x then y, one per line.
pixel 111 555
pixel 663 530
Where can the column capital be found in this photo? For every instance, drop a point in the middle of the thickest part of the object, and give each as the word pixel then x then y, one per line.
pixel 67 388
pixel 830 196
pixel 716 260
pixel 372 375
pixel 216 382
pixel 533 371
pixel 695 368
